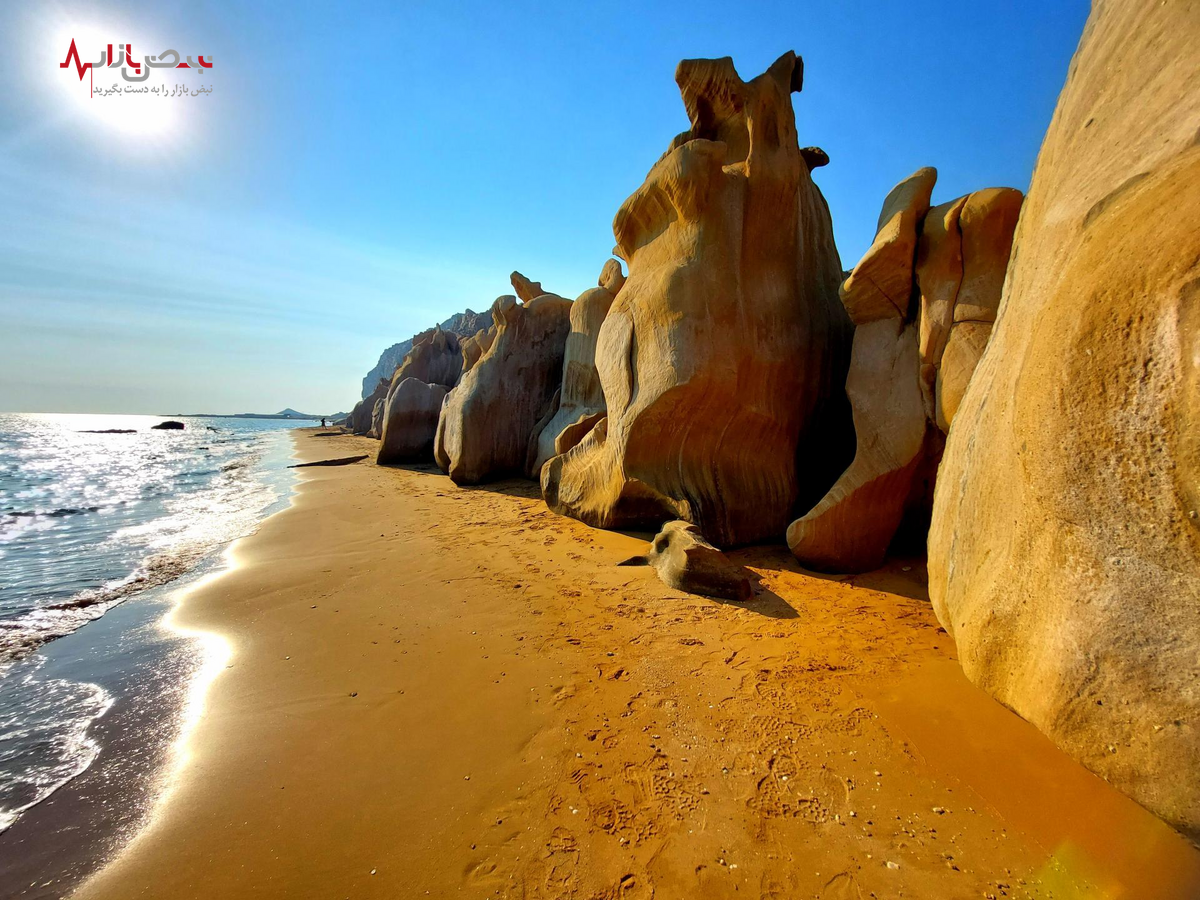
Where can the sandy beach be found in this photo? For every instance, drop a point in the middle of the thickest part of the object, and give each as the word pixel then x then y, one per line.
pixel 445 692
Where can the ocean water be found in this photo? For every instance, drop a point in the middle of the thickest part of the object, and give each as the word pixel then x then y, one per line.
pixel 100 523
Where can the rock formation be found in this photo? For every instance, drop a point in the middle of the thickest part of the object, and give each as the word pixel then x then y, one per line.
pixel 488 420
pixel 923 297
pixel 881 285
pixel 462 324
pixel 581 398
pixel 377 418
pixel 410 413
pixel 687 562
pixel 721 353
pixel 476 345
pixel 1063 555
pixel 435 359
pixel 411 421
pixel 361 417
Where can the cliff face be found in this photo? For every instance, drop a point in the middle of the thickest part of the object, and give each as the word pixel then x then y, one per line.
pixel 1064 545
pixel 463 324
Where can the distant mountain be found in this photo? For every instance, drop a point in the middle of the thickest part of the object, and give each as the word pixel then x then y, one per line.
pixel 288 413
pixel 464 324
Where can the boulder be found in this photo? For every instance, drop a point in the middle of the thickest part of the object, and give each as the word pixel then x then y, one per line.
pixel 488 421
pixel 410 422
pixel 581 398
pixel 1064 549
pixel 169 425
pixel 881 285
pixel 725 349
pixel 687 562
pixel 909 368
pixel 361 418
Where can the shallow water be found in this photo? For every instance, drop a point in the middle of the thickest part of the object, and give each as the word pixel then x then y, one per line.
pixel 89 521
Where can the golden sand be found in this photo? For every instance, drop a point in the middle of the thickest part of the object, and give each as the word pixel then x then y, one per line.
pixel 446 692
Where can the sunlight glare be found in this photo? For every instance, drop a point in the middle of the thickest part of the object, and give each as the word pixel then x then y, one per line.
pixel 149 118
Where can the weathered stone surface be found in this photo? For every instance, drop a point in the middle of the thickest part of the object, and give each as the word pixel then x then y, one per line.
pixel 410 422
pixel 962 257
pixel 814 157
pixel 939 272
pixel 377 418
pixel 475 346
pixel 687 562
pixel 727 340
pixel 435 359
pixel 963 350
pixel 582 396
pixel 488 420
pixel 1063 555
pixel 361 418
pixel 850 529
pixel 612 279
pixel 907 375
pixel 988 221
pixel 463 324
pixel 881 285
pixel 526 289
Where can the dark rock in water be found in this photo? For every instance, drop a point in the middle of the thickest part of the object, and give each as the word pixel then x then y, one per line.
pixel 169 425
pixel 686 561
pixel 341 461
pixel 109 430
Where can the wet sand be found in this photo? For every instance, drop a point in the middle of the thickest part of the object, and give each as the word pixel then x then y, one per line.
pixel 445 692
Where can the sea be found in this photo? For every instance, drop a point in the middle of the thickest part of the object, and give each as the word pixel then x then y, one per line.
pixel 104 521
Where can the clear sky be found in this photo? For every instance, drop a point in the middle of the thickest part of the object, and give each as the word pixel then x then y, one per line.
pixel 361 170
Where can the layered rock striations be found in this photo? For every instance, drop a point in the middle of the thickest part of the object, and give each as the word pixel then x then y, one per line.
pixel 923 299
pixel 1063 555
pixel 581 398
pixel 726 344
pixel 488 421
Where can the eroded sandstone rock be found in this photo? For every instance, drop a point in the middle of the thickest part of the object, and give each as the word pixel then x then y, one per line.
pixel 910 364
pixel 526 289
pixel 409 417
pixel 852 526
pixel 1063 555
pixel 727 340
pixel 488 420
pixel 881 285
pixel 436 358
pixel 476 345
pixel 687 562
pixel 582 397
pixel 377 418
pixel 410 423
pixel 361 418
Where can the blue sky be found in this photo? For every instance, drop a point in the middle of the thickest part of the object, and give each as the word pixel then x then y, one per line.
pixel 362 170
